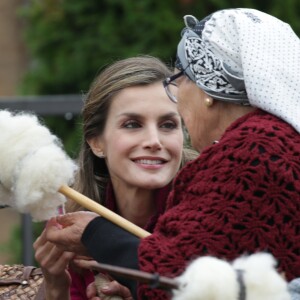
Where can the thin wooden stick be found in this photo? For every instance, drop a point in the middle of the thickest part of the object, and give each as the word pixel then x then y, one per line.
pixel 153 280
pixel 103 211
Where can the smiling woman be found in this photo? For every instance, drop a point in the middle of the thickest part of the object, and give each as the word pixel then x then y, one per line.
pixel 142 144
pixel 132 149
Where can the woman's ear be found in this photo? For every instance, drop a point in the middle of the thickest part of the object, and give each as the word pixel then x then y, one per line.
pixel 96 146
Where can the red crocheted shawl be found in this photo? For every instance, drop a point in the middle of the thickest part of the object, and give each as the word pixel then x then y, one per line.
pixel 239 196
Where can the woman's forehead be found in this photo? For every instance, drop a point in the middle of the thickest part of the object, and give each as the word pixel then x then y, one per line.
pixel 143 99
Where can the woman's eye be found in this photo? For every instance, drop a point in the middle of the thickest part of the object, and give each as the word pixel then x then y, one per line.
pixel 131 124
pixel 169 125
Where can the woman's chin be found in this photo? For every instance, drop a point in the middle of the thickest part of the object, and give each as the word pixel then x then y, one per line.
pixel 154 184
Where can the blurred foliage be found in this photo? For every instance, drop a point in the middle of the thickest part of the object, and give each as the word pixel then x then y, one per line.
pixel 70 41
pixel 68 130
pixel 13 249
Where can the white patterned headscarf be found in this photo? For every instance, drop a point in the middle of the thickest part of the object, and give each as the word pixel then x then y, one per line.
pixel 244 56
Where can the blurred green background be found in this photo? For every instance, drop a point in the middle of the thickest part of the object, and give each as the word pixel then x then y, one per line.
pixel 70 41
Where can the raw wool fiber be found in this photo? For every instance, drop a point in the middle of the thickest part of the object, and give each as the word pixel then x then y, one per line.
pixel 209 278
pixel 261 279
pixel 33 166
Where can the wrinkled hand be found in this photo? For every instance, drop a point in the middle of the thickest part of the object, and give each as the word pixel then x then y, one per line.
pixel 112 288
pixel 54 263
pixel 65 231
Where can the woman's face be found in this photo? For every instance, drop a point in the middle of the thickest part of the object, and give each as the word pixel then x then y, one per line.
pixel 142 140
pixel 199 120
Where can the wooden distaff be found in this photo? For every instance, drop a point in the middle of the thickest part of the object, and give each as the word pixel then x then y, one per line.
pixel 103 211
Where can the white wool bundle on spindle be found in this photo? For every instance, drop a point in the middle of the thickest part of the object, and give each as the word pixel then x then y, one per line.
pixel 209 278
pixel 33 166
pixel 262 281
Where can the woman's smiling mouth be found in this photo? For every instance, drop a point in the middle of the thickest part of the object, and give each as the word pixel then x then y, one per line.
pixel 149 162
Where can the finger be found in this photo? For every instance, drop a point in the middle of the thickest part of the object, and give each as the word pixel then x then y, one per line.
pixel 58 255
pixel 83 257
pixel 53 222
pixel 40 240
pixel 60 264
pixel 56 262
pixel 115 288
pixel 86 264
pixel 65 220
pixel 54 233
pixel 48 254
pixel 91 290
pixel 70 230
pixel 69 219
pixel 42 251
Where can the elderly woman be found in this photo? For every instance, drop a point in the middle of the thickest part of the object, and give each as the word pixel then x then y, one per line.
pixel 238 73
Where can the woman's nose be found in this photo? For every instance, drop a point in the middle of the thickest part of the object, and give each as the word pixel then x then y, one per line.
pixel 152 139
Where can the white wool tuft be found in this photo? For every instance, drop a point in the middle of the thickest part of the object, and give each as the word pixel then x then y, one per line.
pixel 33 166
pixel 262 280
pixel 209 278
pixel 37 179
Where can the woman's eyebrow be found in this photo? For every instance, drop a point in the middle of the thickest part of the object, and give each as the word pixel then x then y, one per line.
pixel 170 115
pixel 136 115
pixel 128 114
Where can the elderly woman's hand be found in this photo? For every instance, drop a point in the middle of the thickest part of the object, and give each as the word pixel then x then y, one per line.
pixel 65 231
pixel 104 285
pixel 114 288
pixel 54 263
pixel 111 289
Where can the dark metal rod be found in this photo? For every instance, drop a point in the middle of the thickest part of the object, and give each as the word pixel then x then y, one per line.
pixel 27 240
pixel 144 277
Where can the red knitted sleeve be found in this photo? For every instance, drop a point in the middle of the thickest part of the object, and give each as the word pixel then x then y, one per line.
pixel 240 196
